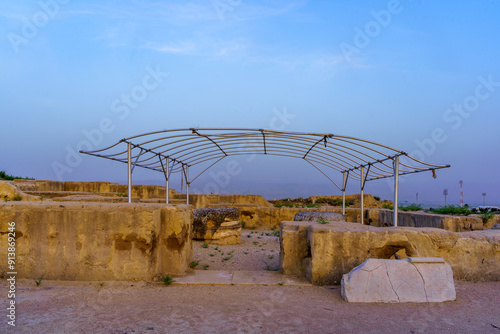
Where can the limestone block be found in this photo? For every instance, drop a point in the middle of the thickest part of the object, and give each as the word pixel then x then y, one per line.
pixel 219 224
pixel 316 215
pixel 8 191
pixel 294 249
pixel 415 279
pixel 229 233
pixel 332 250
pixel 97 241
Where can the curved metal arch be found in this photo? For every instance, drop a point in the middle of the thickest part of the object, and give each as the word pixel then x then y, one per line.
pixel 194 146
pixel 354 158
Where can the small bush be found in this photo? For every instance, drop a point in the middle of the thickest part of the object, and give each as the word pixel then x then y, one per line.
pixel 168 280
pixel 204 244
pixel 410 207
pixel 388 206
pixel 5 176
pixel 39 281
pixel 376 198
pixel 193 264
pixel 18 197
pixel 487 216
pixel 453 210
pixel 322 220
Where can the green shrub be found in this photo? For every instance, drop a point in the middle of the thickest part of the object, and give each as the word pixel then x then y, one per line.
pixel 193 264
pixel 388 206
pixel 39 281
pixel 376 198
pixel 168 280
pixel 5 176
pixel 18 197
pixel 410 207
pixel 322 220
pixel 453 210
pixel 487 216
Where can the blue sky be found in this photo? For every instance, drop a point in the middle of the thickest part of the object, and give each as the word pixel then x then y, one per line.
pixel 394 72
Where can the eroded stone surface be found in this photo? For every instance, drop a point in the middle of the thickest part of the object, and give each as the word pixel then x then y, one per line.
pixel 8 192
pixel 220 224
pixel 496 227
pixel 417 280
pixel 317 215
pixel 323 253
pixel 97 241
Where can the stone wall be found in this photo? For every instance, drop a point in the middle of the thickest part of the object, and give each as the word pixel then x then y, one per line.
pixel 382 217
pixel 368 200
pixel 51 189
pixel 268 217
pixel 92 241
pixel 324 252
pixel 204 201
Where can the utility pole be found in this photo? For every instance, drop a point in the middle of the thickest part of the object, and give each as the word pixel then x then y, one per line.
pixel 445 192
pixel 461 194
pixel 484 199
pixel 417 198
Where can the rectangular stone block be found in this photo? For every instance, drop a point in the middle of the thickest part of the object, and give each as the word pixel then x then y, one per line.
pixel 97 241
pixel 335 249
pixel 399 281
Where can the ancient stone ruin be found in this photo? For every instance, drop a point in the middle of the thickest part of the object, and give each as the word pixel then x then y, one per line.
pixel 220 225
pixel 315 216
pixel 415 279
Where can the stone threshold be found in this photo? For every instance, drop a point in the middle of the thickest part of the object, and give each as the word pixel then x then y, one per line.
pixel 243 277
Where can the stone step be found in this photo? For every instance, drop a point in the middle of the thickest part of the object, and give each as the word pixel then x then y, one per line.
pixel 243 277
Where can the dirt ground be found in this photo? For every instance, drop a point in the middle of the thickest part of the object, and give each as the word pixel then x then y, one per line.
pixel 258 250
pixel 152 307
pixel 140 307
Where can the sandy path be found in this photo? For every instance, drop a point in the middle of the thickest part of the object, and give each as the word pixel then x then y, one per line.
pixel 146 307
pixel 126 307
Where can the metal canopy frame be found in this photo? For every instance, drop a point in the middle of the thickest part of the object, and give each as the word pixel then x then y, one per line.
pixel 175 151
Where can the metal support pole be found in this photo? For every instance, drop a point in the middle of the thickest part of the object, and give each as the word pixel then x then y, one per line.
pixel 129 173
pixel 343 193
pixel 166 181
pixel 396 190
pixel 361 204
pixel 187 184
